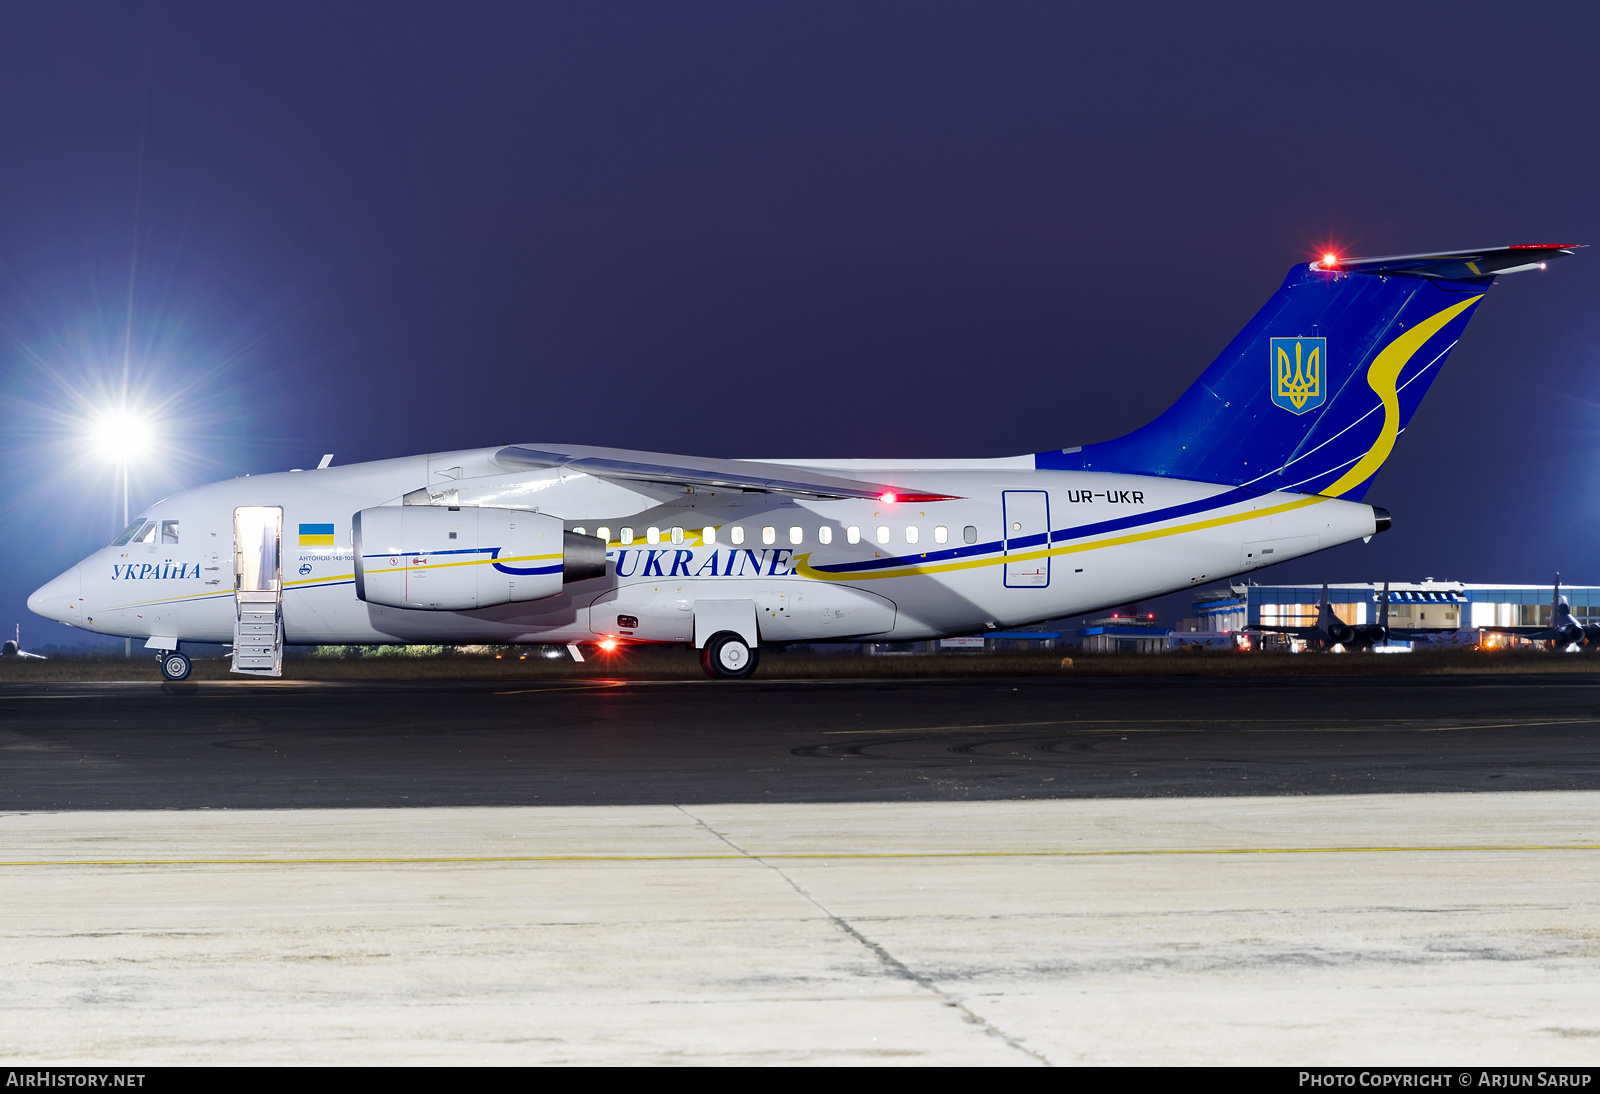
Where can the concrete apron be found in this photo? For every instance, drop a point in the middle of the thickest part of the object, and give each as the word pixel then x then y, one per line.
pixel 1449 928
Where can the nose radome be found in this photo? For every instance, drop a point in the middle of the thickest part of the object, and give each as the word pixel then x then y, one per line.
pixel 51 599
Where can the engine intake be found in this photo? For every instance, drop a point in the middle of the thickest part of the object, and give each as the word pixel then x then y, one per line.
pixel 457 558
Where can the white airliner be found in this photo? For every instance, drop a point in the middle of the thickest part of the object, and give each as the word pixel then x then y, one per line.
pixel 1264 459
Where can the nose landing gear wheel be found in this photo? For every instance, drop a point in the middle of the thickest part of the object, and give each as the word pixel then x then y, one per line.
pixel 175 666
pixel 728 657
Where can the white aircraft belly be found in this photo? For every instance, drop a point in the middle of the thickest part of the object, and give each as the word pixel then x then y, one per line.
pixel 786 609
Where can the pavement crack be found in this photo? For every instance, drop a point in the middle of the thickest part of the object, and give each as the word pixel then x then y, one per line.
pixel 888 960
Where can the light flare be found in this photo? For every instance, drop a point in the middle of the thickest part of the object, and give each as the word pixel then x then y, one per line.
pixel 122 433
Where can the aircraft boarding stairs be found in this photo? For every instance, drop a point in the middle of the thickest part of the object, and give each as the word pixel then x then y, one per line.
pixel 258 590
pixel 258 635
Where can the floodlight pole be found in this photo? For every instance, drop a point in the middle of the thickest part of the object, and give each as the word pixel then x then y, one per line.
pixel 127 643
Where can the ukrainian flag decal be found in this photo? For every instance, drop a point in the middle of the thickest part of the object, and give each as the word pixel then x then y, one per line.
pixel 316 535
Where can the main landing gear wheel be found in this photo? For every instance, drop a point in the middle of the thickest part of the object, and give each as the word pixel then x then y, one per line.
pixel 728 657
pixel 175 666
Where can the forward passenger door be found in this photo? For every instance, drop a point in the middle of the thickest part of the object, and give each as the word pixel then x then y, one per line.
pixel 258 590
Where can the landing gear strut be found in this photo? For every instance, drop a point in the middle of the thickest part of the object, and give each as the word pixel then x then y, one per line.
pixel 175 665
pixel 727 656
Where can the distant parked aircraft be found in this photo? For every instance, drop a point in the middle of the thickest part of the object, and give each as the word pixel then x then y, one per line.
pixel 13 648
pixel 1330 631
pixel 1563 633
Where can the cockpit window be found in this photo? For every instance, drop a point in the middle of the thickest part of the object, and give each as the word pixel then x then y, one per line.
pixel 169 531
pixel 131 532
pixel 147 534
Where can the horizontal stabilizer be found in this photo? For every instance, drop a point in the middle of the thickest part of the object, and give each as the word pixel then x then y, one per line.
pixel 1454 265
pixel 692 471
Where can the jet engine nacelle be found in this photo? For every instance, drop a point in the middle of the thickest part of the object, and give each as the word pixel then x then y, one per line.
pixel 1371 634
pixel 1341 633
pixel 457 558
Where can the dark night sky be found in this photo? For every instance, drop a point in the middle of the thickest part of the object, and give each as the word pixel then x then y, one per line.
pixel 783 230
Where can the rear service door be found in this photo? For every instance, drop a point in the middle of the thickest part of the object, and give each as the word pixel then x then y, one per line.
pixel 1027 533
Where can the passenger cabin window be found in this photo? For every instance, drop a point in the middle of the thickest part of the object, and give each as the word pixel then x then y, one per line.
pixel 969 534
pixel 575 531
pixel 708 536
pixel 677 535
pixel 604 533
pixel 911 533
pixel 825 534
pixel 941 534
pixel 626 537
pixel 883 533
pixel 652 535
pixel 769 535
pixel 169 531
pixel 852 534
pixel 737 536
pixel 797 534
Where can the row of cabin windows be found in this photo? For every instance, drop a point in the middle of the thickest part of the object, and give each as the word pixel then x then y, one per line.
pixel 769 534
pixel 145 531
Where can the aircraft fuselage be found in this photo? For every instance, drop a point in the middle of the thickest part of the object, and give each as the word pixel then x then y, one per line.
pixel 1015 546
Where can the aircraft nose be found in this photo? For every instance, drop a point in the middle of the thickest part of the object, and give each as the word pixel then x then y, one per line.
pixel 51 599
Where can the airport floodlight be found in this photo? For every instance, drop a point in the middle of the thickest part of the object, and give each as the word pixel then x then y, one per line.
pixel 122 434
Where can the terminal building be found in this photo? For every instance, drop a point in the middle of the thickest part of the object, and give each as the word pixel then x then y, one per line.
pixel 1445 606
pixel 1126 631
pixel 1224 618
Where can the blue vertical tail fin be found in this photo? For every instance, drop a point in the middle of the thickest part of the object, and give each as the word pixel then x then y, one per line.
pixel 1313 393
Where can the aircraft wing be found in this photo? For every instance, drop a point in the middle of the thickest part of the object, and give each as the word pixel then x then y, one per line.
pixel 1298 632
pixel 697 471
pixel 1415 636
pixel 1534 634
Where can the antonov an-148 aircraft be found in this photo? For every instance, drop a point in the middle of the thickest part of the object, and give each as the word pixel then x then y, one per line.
pixel 1266 458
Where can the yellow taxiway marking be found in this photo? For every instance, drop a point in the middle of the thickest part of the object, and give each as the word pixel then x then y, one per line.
pixel 1133 724
pixel 790 856
pixel 571 687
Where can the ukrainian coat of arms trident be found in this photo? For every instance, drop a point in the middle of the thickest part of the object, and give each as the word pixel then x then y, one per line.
pixel 1298 366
